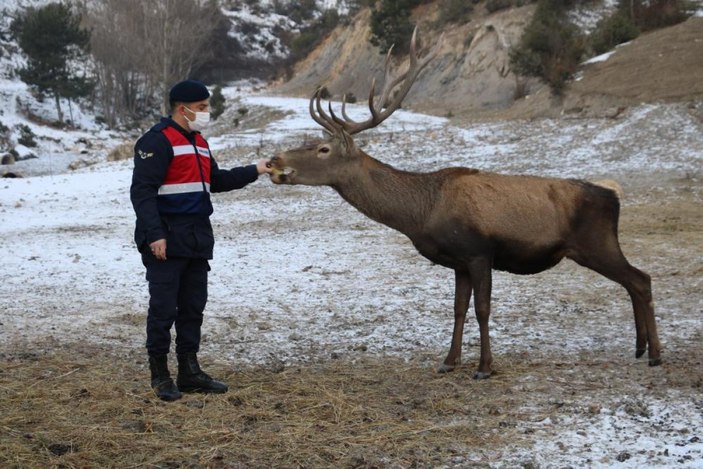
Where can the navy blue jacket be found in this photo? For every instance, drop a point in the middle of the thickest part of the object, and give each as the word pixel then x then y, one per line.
pixel 187 235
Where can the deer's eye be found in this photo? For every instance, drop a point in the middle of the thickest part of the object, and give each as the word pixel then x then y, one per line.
pixel 323 152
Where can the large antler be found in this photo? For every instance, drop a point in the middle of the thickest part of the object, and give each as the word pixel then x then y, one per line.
pixel 381 110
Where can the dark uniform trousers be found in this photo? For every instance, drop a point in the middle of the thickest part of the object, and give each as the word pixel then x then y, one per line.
pixel 178 294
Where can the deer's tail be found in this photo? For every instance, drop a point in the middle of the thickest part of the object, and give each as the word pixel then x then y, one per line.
pixel 612 185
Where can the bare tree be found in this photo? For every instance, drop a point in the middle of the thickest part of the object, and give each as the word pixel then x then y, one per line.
pixel 177 45
pixel 141 48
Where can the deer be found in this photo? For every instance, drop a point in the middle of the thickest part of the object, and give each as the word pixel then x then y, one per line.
pixel 468 220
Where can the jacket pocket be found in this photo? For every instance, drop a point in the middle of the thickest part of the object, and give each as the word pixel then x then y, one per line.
pixel 205 241
pixel 182 240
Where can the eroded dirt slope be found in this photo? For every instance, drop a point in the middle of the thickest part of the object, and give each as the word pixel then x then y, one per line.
pixel 472 77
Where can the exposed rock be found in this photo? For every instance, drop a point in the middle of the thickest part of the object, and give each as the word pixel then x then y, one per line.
pixel 77 164
pixel 466 75
pixel 24 153
pixel 471 76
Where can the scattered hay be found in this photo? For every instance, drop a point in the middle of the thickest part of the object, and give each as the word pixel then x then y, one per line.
pixel 92 409
pixel 74 406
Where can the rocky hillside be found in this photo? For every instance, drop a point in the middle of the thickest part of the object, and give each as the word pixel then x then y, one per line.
pixel 662 66
pixel 472 76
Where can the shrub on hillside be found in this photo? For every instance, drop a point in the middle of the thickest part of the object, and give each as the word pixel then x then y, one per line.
pixel 454 11
pixel 496 5
pixel 390 25
pixel 551 47
pixel 654 14
pixel 611 31
pixel 635 16
pixel 302 44
pixel 26 137
pixel 299 11
pixel 5 135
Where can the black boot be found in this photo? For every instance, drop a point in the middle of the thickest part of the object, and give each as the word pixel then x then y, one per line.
pixel 161 381
pixel 192 379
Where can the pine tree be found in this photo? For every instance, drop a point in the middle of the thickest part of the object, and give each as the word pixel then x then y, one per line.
pixel 217 102
pixel 390 25
pixel 51 37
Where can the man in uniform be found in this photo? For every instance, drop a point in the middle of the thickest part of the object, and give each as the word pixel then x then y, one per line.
pixel 174 174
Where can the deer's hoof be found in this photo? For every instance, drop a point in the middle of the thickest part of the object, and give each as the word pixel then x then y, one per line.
pixel 639 352
pixel 482 375
pixel 444 368
pixel 655 361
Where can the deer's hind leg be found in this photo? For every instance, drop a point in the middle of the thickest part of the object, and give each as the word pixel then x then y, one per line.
pixel 481 277
pixel 605 257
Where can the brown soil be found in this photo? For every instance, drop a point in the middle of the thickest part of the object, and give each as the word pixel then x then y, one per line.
pixel 660 66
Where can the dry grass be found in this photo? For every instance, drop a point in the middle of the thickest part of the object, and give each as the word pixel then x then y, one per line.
pixel 78 407
pixel 83 410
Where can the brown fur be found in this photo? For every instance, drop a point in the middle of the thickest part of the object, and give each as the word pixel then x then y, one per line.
pixel 473 221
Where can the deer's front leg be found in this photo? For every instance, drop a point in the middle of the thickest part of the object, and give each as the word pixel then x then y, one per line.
pixel 462 296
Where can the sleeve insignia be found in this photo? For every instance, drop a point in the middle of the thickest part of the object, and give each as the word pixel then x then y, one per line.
pixel 144 155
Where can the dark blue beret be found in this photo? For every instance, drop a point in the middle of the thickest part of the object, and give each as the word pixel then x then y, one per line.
pixel 188 91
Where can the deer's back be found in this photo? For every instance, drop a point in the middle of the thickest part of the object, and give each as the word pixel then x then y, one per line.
pixel 527 223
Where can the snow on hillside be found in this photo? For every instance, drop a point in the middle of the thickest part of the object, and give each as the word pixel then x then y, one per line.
pixel 261 42
pixel 254 24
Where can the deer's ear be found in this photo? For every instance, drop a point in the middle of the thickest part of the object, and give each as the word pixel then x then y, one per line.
pixel 347 143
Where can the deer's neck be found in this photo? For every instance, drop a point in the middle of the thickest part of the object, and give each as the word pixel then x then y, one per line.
pixel 398 199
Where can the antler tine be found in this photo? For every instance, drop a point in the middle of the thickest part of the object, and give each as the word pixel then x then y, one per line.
pixel 334 124
pixel 378 112
pixel 336 119
pixel 320 117
pixel 386 74
pixel 372 93
pixel 344 110
pixel 323 115
pixel 389 85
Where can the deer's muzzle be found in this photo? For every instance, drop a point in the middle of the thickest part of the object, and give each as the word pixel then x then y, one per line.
pixel 280 174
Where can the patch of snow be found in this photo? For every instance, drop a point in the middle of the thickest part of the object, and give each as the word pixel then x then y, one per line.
pixel 599 58
pixel 586 16
pixel 624 433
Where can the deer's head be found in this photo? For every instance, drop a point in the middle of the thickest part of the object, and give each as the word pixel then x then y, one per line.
pixel 328 161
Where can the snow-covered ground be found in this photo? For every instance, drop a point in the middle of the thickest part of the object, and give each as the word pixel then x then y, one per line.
pixel 299 275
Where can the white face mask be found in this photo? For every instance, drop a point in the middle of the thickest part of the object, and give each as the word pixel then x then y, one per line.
pixel 201 121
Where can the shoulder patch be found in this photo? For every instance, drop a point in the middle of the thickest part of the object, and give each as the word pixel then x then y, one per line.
pixel 144 155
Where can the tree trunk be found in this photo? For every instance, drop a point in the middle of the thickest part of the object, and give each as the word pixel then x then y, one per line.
pixel 57 98
pixel 70 114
